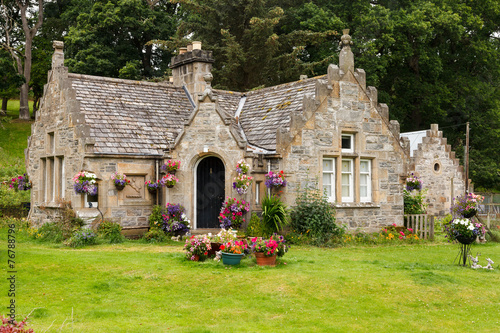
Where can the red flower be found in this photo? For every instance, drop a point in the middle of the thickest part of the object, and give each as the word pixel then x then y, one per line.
pixel 206 253
pixel 222 247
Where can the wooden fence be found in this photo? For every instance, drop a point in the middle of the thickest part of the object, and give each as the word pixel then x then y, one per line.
pixel 422 225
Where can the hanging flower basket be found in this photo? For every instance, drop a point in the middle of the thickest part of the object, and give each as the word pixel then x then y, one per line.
pixel 470 213
pixel 169 180
pixel 466 239
pixel 85 182
pixel 171 166
pixel 120 181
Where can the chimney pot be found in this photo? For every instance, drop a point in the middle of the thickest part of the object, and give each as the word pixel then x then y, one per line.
pixel 196 45
pixel 190 47
pixel 182 50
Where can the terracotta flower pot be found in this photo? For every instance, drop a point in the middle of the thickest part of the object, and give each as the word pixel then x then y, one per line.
pixel 196 257
pixel 262 260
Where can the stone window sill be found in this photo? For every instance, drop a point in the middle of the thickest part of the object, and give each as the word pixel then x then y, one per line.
pixel 357 205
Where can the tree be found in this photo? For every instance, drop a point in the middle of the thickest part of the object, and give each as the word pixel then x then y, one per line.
pixel 110 36
pixel 248 45
pixel 10 81
pixel 21 52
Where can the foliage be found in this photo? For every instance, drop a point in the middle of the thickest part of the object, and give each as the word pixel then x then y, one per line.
pixel 394 232
pixel 231 213
pixel 275 245
pixel 414 202
pixel 241 183
pixel 20 183
pixel 235 247
pixel 250 48
pixel 463 228
pixel 119 179
pixel 314 216
pixel 156 218
pixel 82 237
pixel 111 231
pixel 61 229
pixel 413 183
pixel 155 235
pixel 274 214
pixel 275 180
pixel 171 165
pixel 255 227
pixel 197 245
pixel 84 182
pixel 110 38
pixel 175 221
pixel 242 167
pixel 169 180
pixel 9 326
pixel 224 236
pixel 151 185
pixel 11 198
pixel 466 204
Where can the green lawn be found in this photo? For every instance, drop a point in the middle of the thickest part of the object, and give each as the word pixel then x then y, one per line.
pixel 134 287
pixel 14 135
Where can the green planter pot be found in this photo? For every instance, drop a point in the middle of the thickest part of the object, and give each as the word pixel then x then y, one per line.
pixel 231 258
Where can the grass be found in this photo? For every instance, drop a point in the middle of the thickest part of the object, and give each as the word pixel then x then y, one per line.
pixel 136 287
pixel 13 140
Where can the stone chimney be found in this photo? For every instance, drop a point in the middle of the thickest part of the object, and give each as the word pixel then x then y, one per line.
pixel 190 66
pixel 58 56
pixel 346 58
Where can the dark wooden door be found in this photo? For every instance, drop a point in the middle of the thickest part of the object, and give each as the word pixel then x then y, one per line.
pixel 210 176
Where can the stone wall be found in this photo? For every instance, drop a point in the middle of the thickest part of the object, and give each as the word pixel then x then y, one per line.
pixel 440 171
pixel 342 106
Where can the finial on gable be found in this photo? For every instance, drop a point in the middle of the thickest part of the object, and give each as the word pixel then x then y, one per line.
pixel 346 58
pixel 58 56
pixel 208 88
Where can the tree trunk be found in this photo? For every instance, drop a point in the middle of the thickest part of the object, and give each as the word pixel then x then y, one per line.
pixel 24 111
pixel 5 100
pixel 36 105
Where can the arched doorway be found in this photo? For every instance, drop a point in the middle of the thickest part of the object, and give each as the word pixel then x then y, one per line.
pixel 210 183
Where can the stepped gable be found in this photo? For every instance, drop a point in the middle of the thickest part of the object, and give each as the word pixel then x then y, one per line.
pixel 131 117
pixel 268 109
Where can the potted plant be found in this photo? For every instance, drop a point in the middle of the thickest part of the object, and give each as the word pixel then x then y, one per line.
pixel 171 166
pixel 275 180
pixel 169 180
pixel 120 181
pixel 466 205
pixel 197 247
pixel 222 237
pixel 242 167
pixel 152 187
pixel 232 211
pixel 464 230
pixel 241 183
pixel 266 251
pixel 413 183
pixel 175 221
pixel 85 182
pixel 20 183
pixel 233 251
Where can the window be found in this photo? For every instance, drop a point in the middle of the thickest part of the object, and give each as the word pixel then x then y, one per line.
pixel 91 201
pixel 52 143
pixel 347 180
pixel 365 181
pixel 257 193
pixel 348 143
pixel 329 178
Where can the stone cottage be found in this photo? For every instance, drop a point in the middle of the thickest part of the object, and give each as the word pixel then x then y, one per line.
pixel 328 130
pixel 432 159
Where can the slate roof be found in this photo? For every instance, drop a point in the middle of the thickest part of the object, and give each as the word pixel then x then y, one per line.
pixel 144 118
pixel 132 117
pixel 267 109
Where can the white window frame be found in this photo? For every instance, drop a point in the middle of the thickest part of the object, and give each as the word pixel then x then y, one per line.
pixel 351 140
pixel 367 198
pixel 350 173
pixel 95 204
pixel 333 180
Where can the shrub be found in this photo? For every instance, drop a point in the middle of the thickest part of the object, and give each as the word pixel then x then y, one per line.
pixel 414 202
pixel 111 231
pixel 274 214
pixel 314 216
pixel 61 229
pixel 81 238
pixel 154 235
pixel 156 217
pixel 48 232
pixel 255 226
